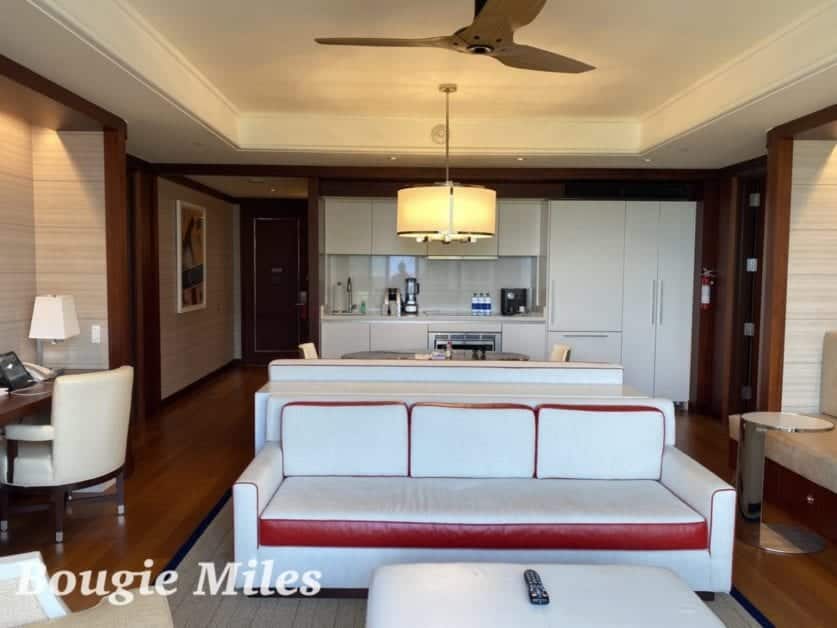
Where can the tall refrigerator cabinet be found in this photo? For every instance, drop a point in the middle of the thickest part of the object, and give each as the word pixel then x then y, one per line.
pixel 659 284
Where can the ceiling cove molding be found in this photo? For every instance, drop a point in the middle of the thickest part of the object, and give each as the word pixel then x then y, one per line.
pixel 115 30
pixel 121 35
pixel 800 51
pixel 469 136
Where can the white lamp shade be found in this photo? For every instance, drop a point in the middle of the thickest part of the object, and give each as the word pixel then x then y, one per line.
pixel 54 318
pixel 440 212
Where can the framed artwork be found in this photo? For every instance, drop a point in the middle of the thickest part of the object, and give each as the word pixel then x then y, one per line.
pixel 191 257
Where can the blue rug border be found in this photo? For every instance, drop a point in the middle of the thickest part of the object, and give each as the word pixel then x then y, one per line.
pixel 174 563
pixel 751 608
pixel 178 557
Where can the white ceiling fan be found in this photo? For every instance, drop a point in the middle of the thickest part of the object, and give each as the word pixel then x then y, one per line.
pixel 491 34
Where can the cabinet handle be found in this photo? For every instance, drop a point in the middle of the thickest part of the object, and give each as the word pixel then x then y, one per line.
pixel 662 302
pixel 653 302
pixel 585 335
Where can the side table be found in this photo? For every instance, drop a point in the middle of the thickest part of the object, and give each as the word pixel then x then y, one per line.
pixel 751 528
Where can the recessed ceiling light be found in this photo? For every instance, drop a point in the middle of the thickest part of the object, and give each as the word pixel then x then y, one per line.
pixel 272 189
pixel 521 159
pixel 647 160
pixel 393 158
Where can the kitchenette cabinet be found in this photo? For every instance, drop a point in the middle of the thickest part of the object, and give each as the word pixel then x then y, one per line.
pixel 385 239
pixel 528 338
pixel 589 346
pixel 341 337
pixel 399 335
pixel 659 296
pixel 586 260
pixel 519 226
pixel 348 226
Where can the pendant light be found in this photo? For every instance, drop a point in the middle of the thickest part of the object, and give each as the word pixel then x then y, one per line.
pixel 447 212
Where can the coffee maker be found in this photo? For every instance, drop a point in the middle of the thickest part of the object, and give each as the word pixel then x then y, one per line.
pixel 513 301
pixel 411 292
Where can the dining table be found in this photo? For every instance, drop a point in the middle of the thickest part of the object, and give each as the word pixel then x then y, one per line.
pixel 456 356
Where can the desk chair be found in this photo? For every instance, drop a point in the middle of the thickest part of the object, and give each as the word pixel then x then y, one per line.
pixel 560 353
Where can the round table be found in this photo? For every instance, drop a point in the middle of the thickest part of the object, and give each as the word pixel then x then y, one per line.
pixel 751 528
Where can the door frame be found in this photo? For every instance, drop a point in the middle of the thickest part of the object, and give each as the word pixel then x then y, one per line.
pixel 277 209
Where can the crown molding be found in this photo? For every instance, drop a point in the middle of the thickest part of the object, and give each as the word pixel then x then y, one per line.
pixel 803 50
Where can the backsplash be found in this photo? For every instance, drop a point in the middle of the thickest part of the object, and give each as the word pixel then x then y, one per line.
pixel 446 285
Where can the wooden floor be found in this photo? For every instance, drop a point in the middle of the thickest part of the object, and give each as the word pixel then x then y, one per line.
pixel 187 458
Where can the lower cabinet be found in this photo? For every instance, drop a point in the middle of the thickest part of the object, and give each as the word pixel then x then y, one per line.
pixel 589 346
pixel 526 338
pixel 398 336
pixel 339 338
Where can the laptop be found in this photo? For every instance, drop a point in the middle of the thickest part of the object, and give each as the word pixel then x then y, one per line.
pixel 13 375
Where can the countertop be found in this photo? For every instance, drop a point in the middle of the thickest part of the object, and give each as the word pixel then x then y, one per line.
pixel 436 317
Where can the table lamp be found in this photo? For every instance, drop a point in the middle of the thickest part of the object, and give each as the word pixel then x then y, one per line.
pixel 54 318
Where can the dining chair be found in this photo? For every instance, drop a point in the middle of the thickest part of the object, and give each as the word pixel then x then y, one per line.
pixel 84 444
pixel 309 351
pixel 560 353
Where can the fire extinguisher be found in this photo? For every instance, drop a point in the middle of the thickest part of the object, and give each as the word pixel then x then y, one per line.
pixel 707 280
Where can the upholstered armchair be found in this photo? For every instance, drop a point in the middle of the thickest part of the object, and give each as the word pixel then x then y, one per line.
pixel 83 445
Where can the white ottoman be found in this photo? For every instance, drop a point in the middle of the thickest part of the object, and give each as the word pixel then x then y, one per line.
pixel 486 595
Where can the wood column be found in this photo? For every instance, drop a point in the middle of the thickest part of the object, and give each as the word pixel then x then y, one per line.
pixel 117 232
pixel 775 259
pixel 314 257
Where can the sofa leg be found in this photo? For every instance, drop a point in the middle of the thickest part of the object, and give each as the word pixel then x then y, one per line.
pixel 706 596
pixel 59 505
pixel 120 493
pixel 4 510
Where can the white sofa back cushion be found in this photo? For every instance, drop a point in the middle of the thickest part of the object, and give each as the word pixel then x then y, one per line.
pixel 600 442
pixel 345 438
pixel 472 441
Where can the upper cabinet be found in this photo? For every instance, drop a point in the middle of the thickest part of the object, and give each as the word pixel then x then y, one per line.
pixel 519 227
pixel 385 240
pixel 586 264
pixel 348 226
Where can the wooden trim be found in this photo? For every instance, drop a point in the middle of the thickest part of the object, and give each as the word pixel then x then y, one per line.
pixel 746 168
pixel 805 123
pixel 486 175
pixel 389 189
pixel 200 187
pixel 146 291
pixel 775 272
pixel 199 382
pixel 117 229
pixel 45 87
pixel 314 256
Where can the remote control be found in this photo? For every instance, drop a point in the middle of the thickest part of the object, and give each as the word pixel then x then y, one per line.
pixel 537 592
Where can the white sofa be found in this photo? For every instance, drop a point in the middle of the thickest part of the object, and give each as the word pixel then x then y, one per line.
pixel 345 487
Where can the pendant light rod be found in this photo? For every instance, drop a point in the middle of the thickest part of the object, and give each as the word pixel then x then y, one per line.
pixel 447 89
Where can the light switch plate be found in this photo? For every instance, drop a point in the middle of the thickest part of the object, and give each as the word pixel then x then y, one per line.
pixel 96 334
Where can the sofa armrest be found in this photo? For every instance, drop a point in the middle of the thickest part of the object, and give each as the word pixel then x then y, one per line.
pixel 704 491
pixel 251 493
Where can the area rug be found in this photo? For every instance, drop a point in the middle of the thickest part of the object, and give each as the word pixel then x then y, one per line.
pixel 213 542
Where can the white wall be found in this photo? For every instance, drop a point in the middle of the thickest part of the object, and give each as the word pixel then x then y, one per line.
pixel 194 344
pixel 812 272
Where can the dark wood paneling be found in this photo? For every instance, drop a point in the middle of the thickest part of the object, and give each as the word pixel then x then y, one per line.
pixel 805 123
pixel 47 104
pixel 146 287
pixel 466 175
pixel 251 209
pixel 775 272
pixel 314 257
pixel 200 187
pixel 118 246
pixel 389 189
pixel 703 335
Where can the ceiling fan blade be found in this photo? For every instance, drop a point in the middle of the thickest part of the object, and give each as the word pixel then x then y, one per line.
pixel 516 13
pixel 426 42
pixel 531 58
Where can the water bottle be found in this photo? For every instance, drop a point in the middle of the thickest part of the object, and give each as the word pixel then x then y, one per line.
pixel 483 304
pixel 488 306
pixel 474 306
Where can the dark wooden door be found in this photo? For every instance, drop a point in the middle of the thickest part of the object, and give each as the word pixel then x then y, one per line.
pixel 274 281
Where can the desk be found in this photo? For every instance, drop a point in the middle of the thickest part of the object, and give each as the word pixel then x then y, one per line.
pixel 14 407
